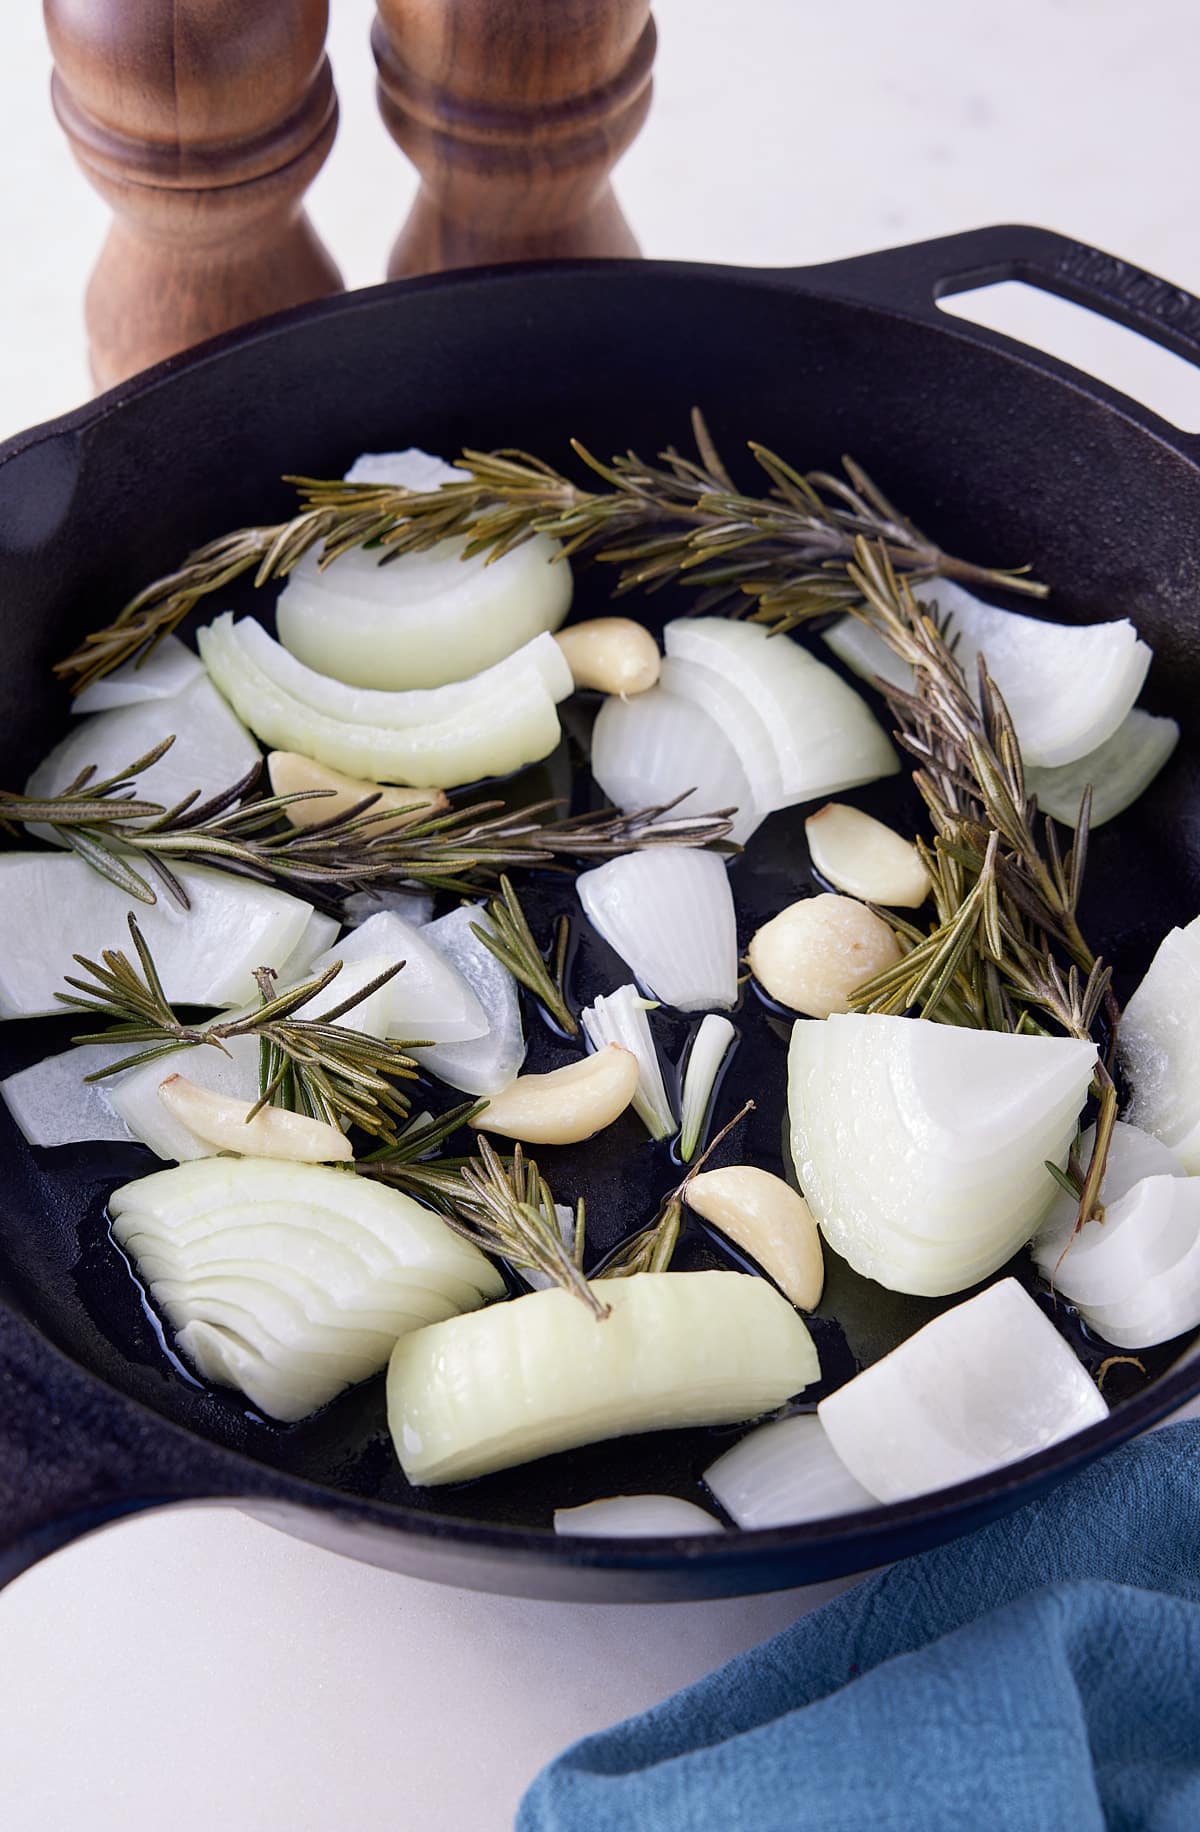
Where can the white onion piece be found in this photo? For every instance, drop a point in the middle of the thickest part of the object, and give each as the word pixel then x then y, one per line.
pixel 212 747
pixel 269 1315
pixel 921 1147
pixel 648 749
pixel 622 1017
pixel 669 913
pixel 982 1386
pixel 415 907
pixel 1132 1155
pixel 498 721
pixel 53 1104
pixel 320 934
pixel 785 1473
pixel 637 1517
pixel 1120 770
pixel 234 1070
pixel 823 734
pixel 485 1064
pixel 542 1374
pixel 55 906
pixel 169 667
pixel 1068 687
pixel 1120 1267
pixel 1159 1046
pixel 709 1048
pixel 1163 1303
pixel 420 619
pixel 429 1000
pixel 412 469
pixel 736 717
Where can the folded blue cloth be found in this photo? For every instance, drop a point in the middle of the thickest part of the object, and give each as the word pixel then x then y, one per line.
pixel 1042 1675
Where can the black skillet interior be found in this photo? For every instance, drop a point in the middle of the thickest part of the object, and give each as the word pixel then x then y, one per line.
pixel 993 453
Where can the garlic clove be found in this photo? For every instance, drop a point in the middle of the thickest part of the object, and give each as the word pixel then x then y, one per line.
pixel 290 773
pixel 613 654
pixel 859 855
pixel 768 1219
pixel 221 1120
pixel 817 952
pixel 566 1105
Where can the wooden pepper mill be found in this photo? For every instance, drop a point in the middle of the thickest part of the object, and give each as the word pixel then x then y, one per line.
pixel 514 112
pixel 202 123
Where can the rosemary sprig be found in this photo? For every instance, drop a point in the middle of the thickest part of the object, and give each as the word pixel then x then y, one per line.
pixel 236 831
pixel 652 1248
pixel 502 1206
pixel 508 936
pixel 680 519
pixel 310 1064
pixel 1006 951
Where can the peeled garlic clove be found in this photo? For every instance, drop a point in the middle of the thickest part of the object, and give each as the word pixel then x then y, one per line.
pixel 290 773
pixel 566 1105
pixel 770 1220
pixel 613 654
pixel 221 1120
pixel 859 855
pixel 817 952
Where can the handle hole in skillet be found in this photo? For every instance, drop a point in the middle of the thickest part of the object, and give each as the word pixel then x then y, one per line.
pixel 1124 359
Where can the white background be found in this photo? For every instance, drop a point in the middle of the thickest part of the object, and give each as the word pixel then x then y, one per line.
pixel 196 1668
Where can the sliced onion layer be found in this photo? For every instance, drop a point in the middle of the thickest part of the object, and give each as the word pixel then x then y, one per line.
pixel 55 906
pixel 212 747
pixel 710 1046
pixel 1156 1228
pixel 822 736
pixel 488 1063
pixel 436 737
pixel 419 619
pixel 669 914
pixel 655 746
pixel 1068 687
pixel 984 1385
pixel 292 1281
pixel 429 1000
pixel 1071 1261
pixel 623 1017
pixel 1159 1046
pixel 415 907
pixel 166 670
pixel 922 1147
pixel 53 1103
pixel 1120 770
pixel 637 1517
pixel 783 1474
pixel 542 1374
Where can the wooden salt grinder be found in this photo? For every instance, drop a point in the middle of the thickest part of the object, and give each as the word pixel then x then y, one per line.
pixel 514 112
pixel 202 123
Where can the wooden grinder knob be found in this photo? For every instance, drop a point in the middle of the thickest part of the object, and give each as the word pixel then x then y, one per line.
pixel 514 112
pixel 202 123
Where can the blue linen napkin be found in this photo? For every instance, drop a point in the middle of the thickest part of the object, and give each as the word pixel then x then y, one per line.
pixel 1042 1675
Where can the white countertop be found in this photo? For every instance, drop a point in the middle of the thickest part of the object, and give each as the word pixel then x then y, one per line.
pixel 195 1668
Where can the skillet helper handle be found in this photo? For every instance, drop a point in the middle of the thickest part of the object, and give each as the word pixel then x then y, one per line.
pixel 913 278
pixel 75 1454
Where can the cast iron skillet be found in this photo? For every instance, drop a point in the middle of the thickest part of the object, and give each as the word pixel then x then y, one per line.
pixel 1002 454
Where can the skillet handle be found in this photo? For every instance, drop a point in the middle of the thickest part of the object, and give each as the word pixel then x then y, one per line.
pixel 914 277
pixel 75 1454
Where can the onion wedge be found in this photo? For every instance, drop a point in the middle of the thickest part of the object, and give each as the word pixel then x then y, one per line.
pixel 669 913
pixel 637 1517
pixel 541 1374
pixel 982 1386
pixel 292 1314
pixel 785 1473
